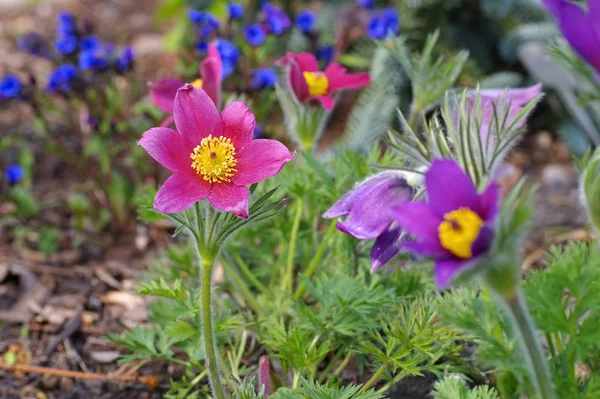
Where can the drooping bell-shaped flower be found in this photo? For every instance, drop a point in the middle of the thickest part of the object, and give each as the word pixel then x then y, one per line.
pixel 211 156
pixel 309 83
pixel 211 69
pixel 367 209
pixel 456 226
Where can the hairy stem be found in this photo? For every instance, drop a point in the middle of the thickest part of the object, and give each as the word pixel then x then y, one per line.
pixel 530 346
pixel 287 282
pixel 374 378
pixel 207 326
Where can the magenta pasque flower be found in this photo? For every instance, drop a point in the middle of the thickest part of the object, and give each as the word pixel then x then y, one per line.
pixel 368 214
pixel 211 70
pixel 456 226
pixel 309 83
pixel 211 156
pixel 581 28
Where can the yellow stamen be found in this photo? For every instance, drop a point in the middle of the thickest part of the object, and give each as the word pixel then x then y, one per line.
pixel 459 231
pixel 197 83
pixel 214 159
pixel 317 82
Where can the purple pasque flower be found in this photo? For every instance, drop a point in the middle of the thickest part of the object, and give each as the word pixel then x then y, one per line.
pixel 456 227
pixel 581 28
pixel 368 214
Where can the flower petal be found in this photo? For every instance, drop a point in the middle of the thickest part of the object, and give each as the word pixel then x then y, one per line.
pixel 484 240
pixel 427 247
pixel 449 187
pixel 260 160
pixel 167 147
pixel 339 79
pixel 326 101
pixel 163 93
pixel 418 219
pixel 230 198
pixel 298 64
pixel 180 191
pixel 447 269
pixel 387 245
pixel 370 210
pixel 238 124
pixel 211 71
pixel 196 115
pixel 489 202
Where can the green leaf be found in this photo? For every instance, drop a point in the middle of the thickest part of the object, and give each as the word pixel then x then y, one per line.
pixel 180 331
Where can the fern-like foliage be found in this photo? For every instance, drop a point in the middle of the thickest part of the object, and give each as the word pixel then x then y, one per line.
pixel 454 387
pixel 246 390
pixel 314 390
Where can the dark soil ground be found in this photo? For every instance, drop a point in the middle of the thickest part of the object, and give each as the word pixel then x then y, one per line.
pixel 56 312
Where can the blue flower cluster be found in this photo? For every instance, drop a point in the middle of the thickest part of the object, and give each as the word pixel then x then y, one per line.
pixel 255 34
pixel 14 174
pixel 264 77
pixel 384 23
pixel 62 78
pixel 276 19
pixel 10 87
pixel 306 21
pixel 236 11
pixel 230 55
pixel 66 42
pixel 206 24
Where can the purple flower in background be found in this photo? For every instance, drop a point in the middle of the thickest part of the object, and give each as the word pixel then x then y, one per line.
pixel 258 131
pixel 89 43
pixel 66 44
pixel 66 24
pixel 306 20
pixel 202 46
pixel 125 60
pixel 61 78
pixel 580 28
pixel 325 54
pixel 376 28
pixel 368 214
pixel 34 44
pixel 456 226
pixel 235 10
pixel 197 17
pixel 14 174
pixel 264 77
pixel 229 55
pixel 95 59
pixel 255 35
pixel 277 20
pixel 10 87
pixel 368 4
pixel 383 24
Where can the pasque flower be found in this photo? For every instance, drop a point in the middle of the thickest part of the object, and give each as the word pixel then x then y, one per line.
pixel 368 214
pixel 456 226
pixel 581 28
pixel 309 83
pixel 164 91
pixel 211 156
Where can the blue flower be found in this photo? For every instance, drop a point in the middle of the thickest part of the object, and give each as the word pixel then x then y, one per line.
pixel 229 55
pixel 236 11
pixel 89 43
pixel 10 87
pixel 197 17
pixel 66 44
pixel 66 23
pixel 255 34
pixel 93 59
pixel 277 20
pixel 306 20
pixel 60 79
pixel 125 60
pixel 258 131
pixel 15 174
pixel 366 3
pixel 202 46
pixel 325 54
pixel 264 77
pixel 212 21
pixel 391 19
pixel 205 31
pixel 376 28
pixel 34 44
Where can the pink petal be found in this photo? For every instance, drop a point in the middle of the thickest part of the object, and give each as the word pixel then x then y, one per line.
pixel 196 115
pixel 230 198
pixel 211 71
pixel 238 124
pixel 339 79
pixel 447 270
pixel 180 191
pixel 298 64
pixel 326 101
pixel 163 93
pixel 167 147
pixel 261 159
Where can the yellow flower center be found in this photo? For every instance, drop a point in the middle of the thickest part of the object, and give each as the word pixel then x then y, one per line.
pixel 197 83
pixel 214 159
pixel 317 83
pixel 459 230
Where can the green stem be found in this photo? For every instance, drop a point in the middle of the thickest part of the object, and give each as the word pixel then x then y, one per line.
pixel 336 357
pixel 207 326
pixel 413 117
pixel 374 378
pixel 342 365
pixel 248 274
pixel 316 259
pixel 241 284
pixel 530 346
pixel 287 282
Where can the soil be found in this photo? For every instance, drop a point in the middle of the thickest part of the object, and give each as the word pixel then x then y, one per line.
pixel 55 312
